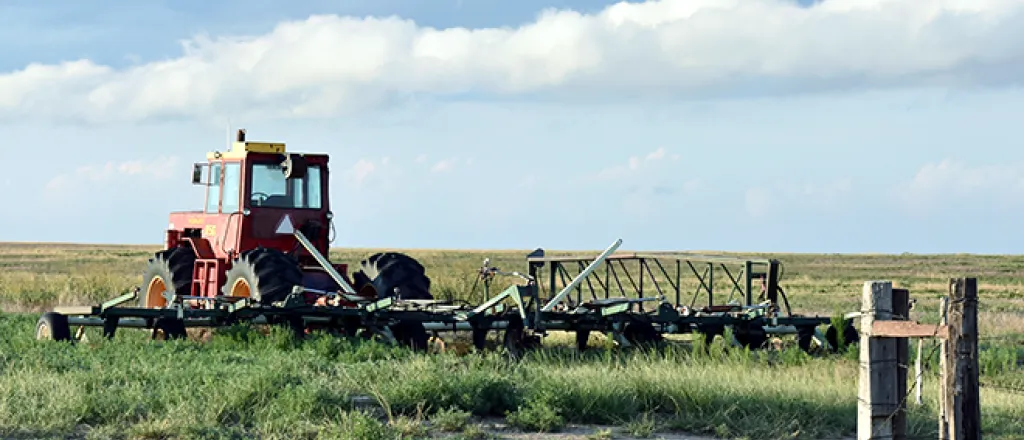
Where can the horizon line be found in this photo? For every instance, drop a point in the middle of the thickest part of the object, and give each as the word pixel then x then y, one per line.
pixel 526 250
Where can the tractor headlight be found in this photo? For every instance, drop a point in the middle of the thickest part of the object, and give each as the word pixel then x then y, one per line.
pixel 330 215
pixel 246 212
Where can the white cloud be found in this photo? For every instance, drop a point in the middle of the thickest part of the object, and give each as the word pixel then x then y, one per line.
pixel 326 64
pixel 142 171
pixel 631 167
pixel 656 154
pixel 421 158
pixel 443 165
pixel 362 169
pixel 949 180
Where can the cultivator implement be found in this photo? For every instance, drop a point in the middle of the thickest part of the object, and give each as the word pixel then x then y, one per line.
pixel 257 253
pixel 582 303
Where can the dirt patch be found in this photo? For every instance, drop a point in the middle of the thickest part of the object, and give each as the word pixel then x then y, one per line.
pixel 498 429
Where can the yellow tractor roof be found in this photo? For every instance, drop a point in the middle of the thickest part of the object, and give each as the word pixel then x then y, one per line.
pixel 239 149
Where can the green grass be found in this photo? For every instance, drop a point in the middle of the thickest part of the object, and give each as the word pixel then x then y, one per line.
pixel 241 383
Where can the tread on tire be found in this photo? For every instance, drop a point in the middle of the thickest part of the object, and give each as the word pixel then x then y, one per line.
pixel 263 274
pixel 391 272
pixel 169 272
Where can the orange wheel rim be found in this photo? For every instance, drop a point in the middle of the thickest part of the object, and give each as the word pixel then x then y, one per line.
pixel 155 293
pixel 241 289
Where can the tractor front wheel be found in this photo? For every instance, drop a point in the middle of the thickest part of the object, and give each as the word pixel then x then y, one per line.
pixel 264 275
pixel 169 273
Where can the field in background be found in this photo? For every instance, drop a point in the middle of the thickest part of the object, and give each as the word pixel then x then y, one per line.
pixel 34 277
pixel 240 383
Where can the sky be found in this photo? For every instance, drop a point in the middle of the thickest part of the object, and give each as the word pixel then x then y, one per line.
pixel 837 126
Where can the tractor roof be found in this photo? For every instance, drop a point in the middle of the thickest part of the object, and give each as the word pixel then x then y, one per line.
pixel 239 149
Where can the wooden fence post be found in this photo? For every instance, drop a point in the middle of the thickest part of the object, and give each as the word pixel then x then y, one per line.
pixel 884 355
pixel 878 385
pixel 901 312
pixel 945 379
pixel 962 391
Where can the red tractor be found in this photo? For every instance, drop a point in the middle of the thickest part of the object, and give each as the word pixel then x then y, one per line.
pixel 243 244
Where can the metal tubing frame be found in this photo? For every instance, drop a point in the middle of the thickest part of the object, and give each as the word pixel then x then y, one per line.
pixel 750 269
pixel 579 278
pixel 602 314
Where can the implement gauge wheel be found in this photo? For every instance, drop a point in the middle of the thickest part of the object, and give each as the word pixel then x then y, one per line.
pixel 517 341
pixel 642 334
pixel 850 336
pixel 168 273
pixel 53 326
pixel 750 334
pixel 265 275
pixel 168 328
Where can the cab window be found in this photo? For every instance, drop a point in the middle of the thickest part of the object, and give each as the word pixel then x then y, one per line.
pixel 213 191
pixel 270 189
pixel 232 187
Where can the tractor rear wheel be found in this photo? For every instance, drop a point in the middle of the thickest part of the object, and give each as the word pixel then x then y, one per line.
pixel 399 275
pixel 263 274
pixel 168 273
pixel 392 272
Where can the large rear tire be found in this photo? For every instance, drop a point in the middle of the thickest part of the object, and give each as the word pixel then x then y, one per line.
pixel 265 275
pixel 168 273
pixel 393 274
pixel 399 275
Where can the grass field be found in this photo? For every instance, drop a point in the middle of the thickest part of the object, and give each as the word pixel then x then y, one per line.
pixel 242 383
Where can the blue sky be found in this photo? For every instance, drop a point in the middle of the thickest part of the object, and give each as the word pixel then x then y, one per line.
pixel 740 125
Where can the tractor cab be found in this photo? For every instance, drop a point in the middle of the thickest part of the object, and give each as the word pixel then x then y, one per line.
pixel 260 193
pixel 257 195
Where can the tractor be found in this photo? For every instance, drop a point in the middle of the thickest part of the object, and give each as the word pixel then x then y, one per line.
pixel 242 243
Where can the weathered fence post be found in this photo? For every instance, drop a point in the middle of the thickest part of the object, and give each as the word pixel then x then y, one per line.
pixel 946 379
pixel 901 312
pixel 884 355
pixel 878 366
pixel 961 393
